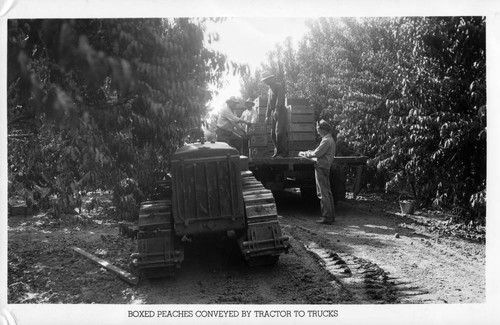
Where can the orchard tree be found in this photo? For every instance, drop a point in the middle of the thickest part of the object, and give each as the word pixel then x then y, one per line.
pixel 409 92
pixel 442 96
pixel 102 103
pixel 251 86
pixel 282 63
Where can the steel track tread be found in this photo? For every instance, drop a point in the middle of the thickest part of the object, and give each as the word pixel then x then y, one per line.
pixel 260 207
pixel 255 195
pixel 161 256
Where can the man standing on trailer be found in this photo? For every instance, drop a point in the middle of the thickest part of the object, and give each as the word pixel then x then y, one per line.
pixel 278 115
pixel 324 154
pixel 227 122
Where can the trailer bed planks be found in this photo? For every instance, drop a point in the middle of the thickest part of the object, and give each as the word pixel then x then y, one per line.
pixel 279 161
pixel 350 160
pixel 293 164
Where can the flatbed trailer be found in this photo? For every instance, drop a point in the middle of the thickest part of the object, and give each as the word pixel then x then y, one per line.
pixel 277 174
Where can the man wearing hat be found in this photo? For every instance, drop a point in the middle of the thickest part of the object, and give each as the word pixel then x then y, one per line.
pixel 227 121
pixel 248 115
pixel 278 115
pixel 324 154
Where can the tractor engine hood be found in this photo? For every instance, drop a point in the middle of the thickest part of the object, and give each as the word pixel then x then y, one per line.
pixel 204 150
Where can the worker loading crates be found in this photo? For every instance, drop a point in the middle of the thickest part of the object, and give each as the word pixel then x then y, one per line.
pixel 259 136
pixel 293 171
pixel 301 135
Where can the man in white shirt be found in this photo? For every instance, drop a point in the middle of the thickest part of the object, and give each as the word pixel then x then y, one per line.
pixel 249 115
pixel 228 121
pixel 324 154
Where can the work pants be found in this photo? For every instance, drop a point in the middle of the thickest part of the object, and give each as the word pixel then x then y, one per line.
pixel 279 131
pixel 244 146
pixel 229 137
pixel 223 135
pixel 324 193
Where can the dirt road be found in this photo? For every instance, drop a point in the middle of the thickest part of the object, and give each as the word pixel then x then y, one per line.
pixel 370 254
pixel 391 258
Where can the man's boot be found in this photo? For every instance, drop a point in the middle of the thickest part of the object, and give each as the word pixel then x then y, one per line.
pixel 325 221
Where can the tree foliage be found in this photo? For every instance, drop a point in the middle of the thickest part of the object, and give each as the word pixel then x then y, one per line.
pixel 102 103
pixel 409 92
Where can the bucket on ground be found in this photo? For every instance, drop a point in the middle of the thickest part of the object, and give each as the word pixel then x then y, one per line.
pixel 407 206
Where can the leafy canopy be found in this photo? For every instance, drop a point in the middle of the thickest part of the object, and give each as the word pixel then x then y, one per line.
pixel 102 103
pixel 408 92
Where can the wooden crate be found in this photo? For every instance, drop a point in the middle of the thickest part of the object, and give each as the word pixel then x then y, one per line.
pixel 259 128
pixel 296 101
pixel 261 101
pixel 262 120
pixel 302 136
pixel 260 140
pixel 261 110
pixel 302 127
pixel 302 145
pixel 300 109
pixel 301 118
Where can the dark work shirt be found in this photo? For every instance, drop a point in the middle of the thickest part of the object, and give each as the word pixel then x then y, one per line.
pixel 276 98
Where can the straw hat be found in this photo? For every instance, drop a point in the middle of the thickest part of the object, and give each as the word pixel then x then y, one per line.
pixel 266 76
pixel 232 99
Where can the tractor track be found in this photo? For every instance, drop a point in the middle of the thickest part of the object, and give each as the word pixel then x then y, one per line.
pixel 363 281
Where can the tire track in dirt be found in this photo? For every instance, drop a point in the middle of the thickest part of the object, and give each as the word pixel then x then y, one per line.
pixel 422 267
pixel 364 281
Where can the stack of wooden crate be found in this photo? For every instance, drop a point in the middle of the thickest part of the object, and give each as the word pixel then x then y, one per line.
pixel 302 134
pixel 259 142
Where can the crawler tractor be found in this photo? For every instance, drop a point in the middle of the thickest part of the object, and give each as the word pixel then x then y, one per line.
pixel 210 192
